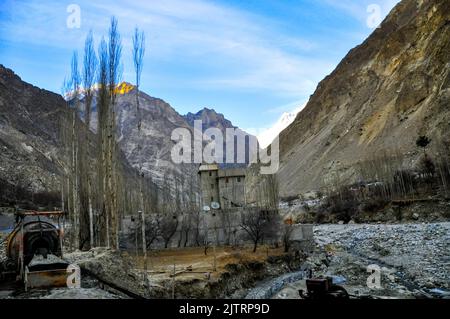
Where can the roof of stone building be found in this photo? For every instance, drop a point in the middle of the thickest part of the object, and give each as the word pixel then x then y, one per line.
pixel 232 172
pixel 208 167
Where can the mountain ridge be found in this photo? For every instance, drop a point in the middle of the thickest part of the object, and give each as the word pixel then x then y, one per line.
pixel 23 139
pixel 382 95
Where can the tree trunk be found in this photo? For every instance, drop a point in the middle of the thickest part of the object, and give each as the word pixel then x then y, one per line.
pixel 144 246
pixel 91 218
pixel 186 234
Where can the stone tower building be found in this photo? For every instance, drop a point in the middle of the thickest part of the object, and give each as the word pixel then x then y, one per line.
pixel 208 183
pixel 222 188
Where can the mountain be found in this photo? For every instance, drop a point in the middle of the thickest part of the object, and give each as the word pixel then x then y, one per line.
pixel 158 119
pixel 30 136
pixel 266 137
pixel 386 92
pixel 32 147
pixel 31 139
pixel 210 118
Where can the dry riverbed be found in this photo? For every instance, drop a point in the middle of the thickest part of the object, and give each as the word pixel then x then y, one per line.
pixel 414 259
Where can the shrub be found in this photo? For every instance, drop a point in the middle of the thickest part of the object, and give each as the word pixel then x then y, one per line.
pixel 427 166
pixel 373 204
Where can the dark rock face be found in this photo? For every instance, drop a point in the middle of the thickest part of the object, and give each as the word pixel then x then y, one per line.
pixel 384 93
pixel 158 120
pixel 29 135
pixel 31 143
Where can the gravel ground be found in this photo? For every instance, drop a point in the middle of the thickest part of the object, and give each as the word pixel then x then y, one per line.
pixel 65 293
pixel 268 288
pixel 414 259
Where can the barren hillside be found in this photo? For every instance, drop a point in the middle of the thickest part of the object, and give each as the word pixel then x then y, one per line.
pixel 384 94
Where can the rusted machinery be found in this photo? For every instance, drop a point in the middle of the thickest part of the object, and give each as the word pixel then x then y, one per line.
pixel 35 248
pixel 323 288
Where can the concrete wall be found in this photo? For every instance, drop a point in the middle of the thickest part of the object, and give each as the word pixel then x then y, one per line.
pixel 222 227
pixel 226 187
pixel 209 187
pixel 232 191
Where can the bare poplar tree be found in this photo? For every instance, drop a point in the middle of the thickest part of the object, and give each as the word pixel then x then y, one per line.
pixel 138 60
pixel 114 76
pixel 66 163
pixel 89 71
pixel 75 85
pixel 102 133
pixel 138 57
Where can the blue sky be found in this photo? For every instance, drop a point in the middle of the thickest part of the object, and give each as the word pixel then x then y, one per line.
pixel 250 60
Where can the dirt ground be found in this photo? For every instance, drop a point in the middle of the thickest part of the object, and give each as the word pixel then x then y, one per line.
pixel 193 263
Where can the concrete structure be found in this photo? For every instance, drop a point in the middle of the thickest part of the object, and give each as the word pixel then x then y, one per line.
pixel 222 227
pixel 222 188
pixel 209 174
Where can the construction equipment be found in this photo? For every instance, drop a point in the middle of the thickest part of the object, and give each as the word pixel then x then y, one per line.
pixel 323 288
pixel 35 248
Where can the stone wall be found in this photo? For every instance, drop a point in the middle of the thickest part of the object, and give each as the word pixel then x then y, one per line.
pixel 222 228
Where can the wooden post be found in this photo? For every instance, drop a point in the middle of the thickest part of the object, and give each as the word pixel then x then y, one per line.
pixel 215 244
pixel 61 234
pixel 91 218
pixel 136 238
pixel 215 259
pixel 21 257
pixel 173 279
pixel 144 246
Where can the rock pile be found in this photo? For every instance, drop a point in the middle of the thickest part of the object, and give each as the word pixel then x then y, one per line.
pixel 413 258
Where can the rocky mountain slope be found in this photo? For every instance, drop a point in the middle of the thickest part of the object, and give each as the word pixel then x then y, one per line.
pixel 29 135
pixel 210 118
pixel 32 143
pixel 158 119
pixel 383 94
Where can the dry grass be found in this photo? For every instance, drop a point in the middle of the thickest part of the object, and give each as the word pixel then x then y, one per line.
pixel 161 262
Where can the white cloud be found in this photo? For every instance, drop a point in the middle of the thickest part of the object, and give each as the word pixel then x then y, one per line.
pixel 238 49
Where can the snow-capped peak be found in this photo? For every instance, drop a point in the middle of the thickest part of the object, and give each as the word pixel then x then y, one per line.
pixel 268 135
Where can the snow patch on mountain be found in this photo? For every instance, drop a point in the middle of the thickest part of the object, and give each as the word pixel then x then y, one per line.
pixel 266 136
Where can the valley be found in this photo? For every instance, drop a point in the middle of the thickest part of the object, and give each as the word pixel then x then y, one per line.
pixel 108 192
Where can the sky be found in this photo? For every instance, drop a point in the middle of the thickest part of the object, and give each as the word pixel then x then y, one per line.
pixel 251 60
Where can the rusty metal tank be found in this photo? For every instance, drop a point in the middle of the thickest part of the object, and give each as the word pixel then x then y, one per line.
pixel 34 234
